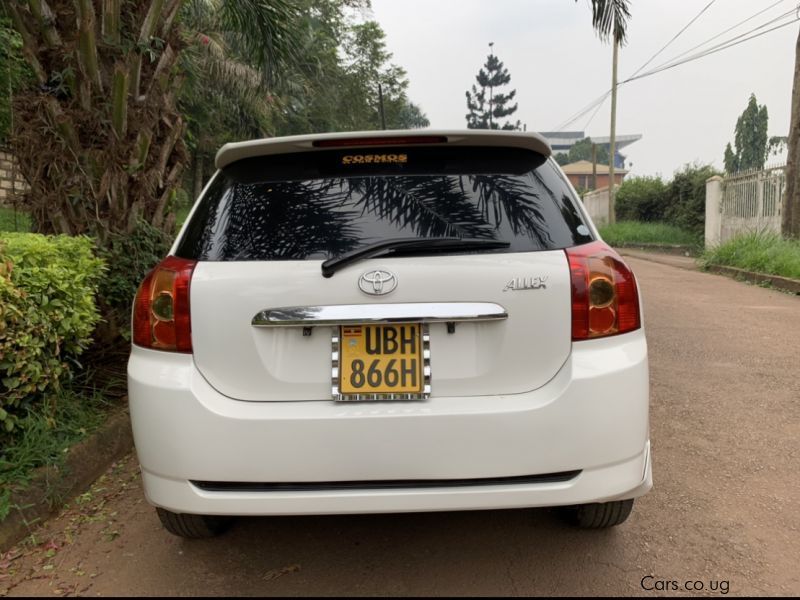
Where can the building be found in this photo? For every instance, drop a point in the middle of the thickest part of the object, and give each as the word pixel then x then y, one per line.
pixel 580 175
pixel 562 141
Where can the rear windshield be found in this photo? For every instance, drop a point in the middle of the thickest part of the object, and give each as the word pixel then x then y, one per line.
pixel 318 205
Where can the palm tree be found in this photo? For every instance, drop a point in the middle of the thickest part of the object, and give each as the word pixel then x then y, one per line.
pixel 611 17
pixel 100 138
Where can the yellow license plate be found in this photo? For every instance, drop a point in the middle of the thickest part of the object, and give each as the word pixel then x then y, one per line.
pixel 381 359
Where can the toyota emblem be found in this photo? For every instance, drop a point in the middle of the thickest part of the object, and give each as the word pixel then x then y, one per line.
pixel 377 282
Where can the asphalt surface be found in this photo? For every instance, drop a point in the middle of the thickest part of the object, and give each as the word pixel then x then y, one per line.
pixel 724 513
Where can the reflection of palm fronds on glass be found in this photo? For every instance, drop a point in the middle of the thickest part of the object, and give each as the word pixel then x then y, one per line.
pixel 429 206
pixel 512 198
pixel 288 220
pixel 205 239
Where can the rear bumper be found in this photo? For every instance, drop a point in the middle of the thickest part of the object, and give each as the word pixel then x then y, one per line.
pixel 591 417
pixel 625 480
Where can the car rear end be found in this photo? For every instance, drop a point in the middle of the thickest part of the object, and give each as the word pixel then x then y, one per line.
pixel 508 371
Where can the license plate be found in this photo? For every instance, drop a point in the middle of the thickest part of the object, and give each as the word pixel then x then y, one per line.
pixel 382 362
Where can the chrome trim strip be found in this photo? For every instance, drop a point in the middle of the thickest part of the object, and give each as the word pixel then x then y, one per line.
pixel 426 369
pixel 366 314
pixel 335 365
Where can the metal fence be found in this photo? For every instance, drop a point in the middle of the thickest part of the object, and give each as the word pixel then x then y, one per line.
pixel 751 202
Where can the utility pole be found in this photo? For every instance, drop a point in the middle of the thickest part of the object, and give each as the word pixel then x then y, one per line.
pixel 491 89
pixel 380 99
pixel 612 149
pixel 594 166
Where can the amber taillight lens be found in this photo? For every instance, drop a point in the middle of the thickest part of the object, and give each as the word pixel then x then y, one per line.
pixel 161 316
pixel 605 300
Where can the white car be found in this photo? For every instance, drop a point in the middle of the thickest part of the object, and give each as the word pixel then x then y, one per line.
pixel 390 321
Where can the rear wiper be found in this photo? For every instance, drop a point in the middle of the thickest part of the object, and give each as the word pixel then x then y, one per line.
pixel 329 267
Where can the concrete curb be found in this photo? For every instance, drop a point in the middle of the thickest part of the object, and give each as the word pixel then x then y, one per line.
pixel 780 283
pixel 673 249
pixel 784 284
pixel 672 260
pixel 52 487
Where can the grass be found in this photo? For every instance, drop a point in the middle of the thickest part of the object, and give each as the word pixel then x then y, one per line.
pixel 8 222
pixel 766 253
pixel 44 435
pixel 635 232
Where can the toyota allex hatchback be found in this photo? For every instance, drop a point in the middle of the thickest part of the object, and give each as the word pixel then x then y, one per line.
pixel 389 322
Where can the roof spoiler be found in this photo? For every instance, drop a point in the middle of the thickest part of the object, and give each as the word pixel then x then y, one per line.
pixel 233 152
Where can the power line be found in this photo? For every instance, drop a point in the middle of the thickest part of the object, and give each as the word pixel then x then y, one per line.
pixel 718 48
pixel 675 37
pixel 728 42
pixel 594 114
pixel 583 111
pixel 602 98
pixel 674 62
pixel 750 18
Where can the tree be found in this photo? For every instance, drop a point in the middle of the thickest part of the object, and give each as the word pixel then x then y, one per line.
pixel 369 66
pixel 335 87
pixel 492 75
pixel 582 150
pixel 790 219
pixel 610 18
pixel 13 73
pixel 751 140
pixel 100 138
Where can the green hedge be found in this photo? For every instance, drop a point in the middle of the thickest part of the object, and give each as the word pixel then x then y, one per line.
pixel 680 202
pixel 687 198
pixel 129 258
pixel 47 315
pixel 642 199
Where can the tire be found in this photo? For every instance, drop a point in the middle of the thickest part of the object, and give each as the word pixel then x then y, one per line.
pixel 599 515
pixel 193 527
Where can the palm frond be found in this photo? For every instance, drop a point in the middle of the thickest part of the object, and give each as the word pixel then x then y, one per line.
pixel 264 31
pixel 610 19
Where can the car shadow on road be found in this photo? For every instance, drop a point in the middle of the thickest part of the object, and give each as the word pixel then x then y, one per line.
pixel 464 553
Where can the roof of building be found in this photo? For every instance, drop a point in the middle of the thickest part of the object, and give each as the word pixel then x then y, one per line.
pixel 620 141
pixel 563 140
pixel 584 167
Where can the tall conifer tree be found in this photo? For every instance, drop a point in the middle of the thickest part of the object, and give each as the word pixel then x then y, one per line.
pixel 486 105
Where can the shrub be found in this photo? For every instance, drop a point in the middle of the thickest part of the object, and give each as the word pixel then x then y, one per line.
pixel 47 315
pixel 128 259
pixel 686 197
pixel 641 199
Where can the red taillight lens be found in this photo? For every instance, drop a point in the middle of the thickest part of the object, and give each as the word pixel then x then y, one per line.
pixel 161 318
pixel 604 296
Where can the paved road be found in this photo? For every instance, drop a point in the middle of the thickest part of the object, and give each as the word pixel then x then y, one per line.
pixel 725 511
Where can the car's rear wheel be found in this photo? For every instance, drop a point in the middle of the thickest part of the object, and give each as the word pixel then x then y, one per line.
pixel 599 515
pixel 193 526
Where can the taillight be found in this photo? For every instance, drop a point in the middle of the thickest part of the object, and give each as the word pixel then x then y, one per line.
pixel 161 318
pixel 604 297
pixel 380 141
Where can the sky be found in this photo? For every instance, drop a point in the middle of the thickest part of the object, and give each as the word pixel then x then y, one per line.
pixel 558 66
